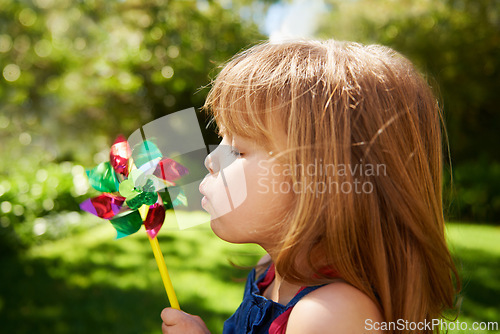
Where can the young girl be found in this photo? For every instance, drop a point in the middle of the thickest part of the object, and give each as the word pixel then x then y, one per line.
pixel 340 145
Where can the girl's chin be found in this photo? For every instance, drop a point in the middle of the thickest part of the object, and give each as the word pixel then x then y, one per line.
pixel 217 227
pixel 218 230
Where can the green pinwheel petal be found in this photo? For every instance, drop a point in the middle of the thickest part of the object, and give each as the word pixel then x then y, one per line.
pixel 145 152
pixel 181 199
pixel 142 198
pixel 167 201
pixel 136 195
pixel 103 178
pixel 135 202
pixel 126 223
pixel 150 198
pixel 167 198
pixel 174 196
pixel 149 186
pixel 134 177
pixel 127 189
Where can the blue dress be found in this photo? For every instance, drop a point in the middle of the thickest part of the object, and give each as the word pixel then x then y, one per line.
pixel 256 313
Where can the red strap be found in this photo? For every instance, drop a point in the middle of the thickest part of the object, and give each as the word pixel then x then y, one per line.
pixel 268 279
pixel 329 272
pixel 278 326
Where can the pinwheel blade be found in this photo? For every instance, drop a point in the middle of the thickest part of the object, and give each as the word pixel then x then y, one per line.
pixel 179 139
pixel 119 155
pixel 103 178
pixel 170 170
pixel 126 223
pixel 146 155
pixel 154 219
pixel 104 206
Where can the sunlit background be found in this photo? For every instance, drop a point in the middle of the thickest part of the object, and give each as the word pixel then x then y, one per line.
pixel 75 74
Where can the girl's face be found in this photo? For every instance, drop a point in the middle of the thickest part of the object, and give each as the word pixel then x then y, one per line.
pixel 242 192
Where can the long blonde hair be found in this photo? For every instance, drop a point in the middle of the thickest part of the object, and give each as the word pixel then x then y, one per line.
pixel 346 104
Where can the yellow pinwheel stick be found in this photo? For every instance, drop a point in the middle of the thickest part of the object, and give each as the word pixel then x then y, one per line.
pixel 160 261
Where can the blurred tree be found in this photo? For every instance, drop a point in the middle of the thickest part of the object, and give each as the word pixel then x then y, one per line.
pixel 75 74
pixel 457 43
pixel 74 71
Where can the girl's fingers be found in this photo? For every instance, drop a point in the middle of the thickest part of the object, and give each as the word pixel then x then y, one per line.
pixel 179 322
pixel 172 317
pixel 164 328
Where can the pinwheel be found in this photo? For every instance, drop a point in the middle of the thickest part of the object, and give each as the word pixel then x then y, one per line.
pixel 134 186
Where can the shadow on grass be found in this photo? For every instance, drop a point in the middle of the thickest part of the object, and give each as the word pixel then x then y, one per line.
pixel 33 299
pixel 41 295
pixel 480 274
pixel 223 270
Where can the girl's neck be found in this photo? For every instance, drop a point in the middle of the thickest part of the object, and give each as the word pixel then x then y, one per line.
pixel 280 291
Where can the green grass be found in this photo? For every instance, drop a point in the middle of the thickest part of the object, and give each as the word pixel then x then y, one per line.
pixel 91 283
pixel 477 252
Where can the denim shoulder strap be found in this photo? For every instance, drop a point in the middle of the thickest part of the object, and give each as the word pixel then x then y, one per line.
pixel 302 292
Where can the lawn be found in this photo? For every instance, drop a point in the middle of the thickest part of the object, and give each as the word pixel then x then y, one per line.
pixel 91 283
pixel 477 252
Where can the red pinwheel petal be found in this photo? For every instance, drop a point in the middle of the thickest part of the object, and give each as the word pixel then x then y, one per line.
pixel 104 206
pixel 154 220
pixel 170 170
pixel 119 155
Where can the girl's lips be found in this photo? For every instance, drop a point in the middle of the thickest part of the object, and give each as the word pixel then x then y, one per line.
pixel 202 185
pixel 204 202
pixel 200 188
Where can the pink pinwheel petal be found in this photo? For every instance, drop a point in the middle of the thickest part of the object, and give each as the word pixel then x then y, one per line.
pixel 119 155
pixel 154 220
pixel 170 170
pixel 104 206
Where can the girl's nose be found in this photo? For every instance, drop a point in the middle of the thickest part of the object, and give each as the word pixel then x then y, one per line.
pixel 210 164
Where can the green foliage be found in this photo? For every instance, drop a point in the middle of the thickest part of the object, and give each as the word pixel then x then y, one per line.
pixel 464 58
pixel 474 190
pixel 73 75
pixel 456 43
pixel 39 202
pixel 88 69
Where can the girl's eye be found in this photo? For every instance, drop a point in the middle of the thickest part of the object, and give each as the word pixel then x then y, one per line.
pixel 236 153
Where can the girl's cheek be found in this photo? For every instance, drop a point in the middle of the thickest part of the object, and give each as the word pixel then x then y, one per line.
pixel 229 190
pixel 236 178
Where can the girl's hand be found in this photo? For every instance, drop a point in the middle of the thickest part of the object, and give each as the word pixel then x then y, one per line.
pixel 179 322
